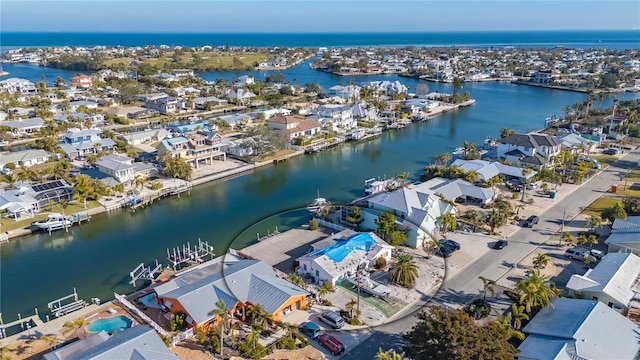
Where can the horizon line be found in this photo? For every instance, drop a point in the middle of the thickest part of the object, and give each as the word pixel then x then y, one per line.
pixel 257 32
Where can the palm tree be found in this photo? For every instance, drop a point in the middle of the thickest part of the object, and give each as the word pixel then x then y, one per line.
pixel 139 181
pixel 594 222
pixel 404 271
pixel 402 177
pixel 389 355
pixel 475 218
pixel 518 315
pixel 259 317
pixel 487 285
pixel 567 238
pixel 322 291
pixel 541 261
pixel 471 176
pixel 582 239
pixel 52 340
pixel 350 306
pixel 71 326
pixel 536 291
pixel 504 322
pixel 223 317
pixel 448 222
pixel 519 207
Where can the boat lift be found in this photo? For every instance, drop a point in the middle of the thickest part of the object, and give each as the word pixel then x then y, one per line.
pixel 178 257
pixel 59 309
pixel 144 272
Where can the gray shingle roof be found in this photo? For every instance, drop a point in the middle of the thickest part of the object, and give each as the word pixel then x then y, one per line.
pixel 531 140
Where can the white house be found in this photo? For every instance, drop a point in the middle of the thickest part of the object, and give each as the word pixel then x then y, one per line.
pixel 145 136
pixel 486 170
pixel 24 126
pixel 336 116
pixel 120 167
pixel 385 87
pixel 13 85
pixel 25 157
pixel 348 92
pixel 455 189
pixel 579 329
pixel 615 281
pixel 534 149
pixel 625 235
pixel 339 256
pixel 417 208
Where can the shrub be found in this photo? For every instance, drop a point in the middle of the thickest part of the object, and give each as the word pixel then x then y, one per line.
pixel 11 166
pixel 515 195
pixel 381 263
pixel 286 343
pixel 313 224
pixel 156 185
pixel 326 302
pixel 178 322
pixel 354 321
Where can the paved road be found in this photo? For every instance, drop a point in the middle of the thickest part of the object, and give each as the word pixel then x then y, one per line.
pixel 465 286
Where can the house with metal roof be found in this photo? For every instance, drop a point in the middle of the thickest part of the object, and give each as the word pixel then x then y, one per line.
pixel 135 343
pixel 625 236
pixel 417 209
pixel 78 143
pixel 342 255
pixel 25 158
pixel 29 198
pixel 24 126
pixel 615 281
pixel 579 329
pixel 486 170
pixel 459 189
pixel 533 149
pixel 238 283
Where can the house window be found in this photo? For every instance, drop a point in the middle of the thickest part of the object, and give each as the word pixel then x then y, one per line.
pixel 304 267
pixel 317 273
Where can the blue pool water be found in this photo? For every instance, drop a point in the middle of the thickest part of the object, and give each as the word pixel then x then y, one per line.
pixel 338 251
pixel 110 325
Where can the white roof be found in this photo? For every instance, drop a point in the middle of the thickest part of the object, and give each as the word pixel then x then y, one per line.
pixel 616 275
pixel 452 189
pixel 589 329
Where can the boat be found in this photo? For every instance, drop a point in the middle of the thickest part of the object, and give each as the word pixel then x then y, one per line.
pixel 373 186
pixel 54 221
pixel 317 204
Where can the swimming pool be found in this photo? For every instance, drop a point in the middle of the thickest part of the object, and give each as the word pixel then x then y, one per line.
pixel 110 325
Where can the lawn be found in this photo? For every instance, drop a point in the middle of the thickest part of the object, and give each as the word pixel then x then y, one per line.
pixel 7 224
pixel 387 305
pixel 596 207
pixel 605 160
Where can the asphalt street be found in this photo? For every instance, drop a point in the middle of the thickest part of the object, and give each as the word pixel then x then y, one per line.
pixel 465 286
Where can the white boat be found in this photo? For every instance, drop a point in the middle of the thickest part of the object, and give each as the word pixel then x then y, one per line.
pixel 54 221
pixel 317 204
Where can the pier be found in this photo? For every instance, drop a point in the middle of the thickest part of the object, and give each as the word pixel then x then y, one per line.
pixel 324 145
pixel 76 218
pixel 179 257
pixel 144 272
pixel 65 305
pixel 138 202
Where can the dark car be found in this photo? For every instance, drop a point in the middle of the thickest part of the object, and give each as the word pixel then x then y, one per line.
pixel 610 151
pixel 331 343
pixel 500 244
pixel 453 245
pixel 532 220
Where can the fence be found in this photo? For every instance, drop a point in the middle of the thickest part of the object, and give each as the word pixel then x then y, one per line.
pixel 330 225
pixel 123 301
pixel 187 334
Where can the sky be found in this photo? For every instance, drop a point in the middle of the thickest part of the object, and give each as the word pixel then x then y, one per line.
pixel 243 16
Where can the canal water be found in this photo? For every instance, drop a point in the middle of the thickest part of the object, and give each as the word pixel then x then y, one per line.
pixel 96 258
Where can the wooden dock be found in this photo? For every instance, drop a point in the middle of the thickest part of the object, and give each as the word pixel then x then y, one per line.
pixel 135 203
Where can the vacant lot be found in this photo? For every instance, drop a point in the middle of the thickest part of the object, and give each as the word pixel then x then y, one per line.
pixel 596 207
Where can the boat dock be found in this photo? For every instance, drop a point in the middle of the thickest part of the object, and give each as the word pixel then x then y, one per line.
pixel 324 145
pixel 179 257
pixel 137 202
pixel 76 218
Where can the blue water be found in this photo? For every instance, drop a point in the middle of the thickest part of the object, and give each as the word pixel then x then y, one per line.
pixel 110 325
pixel 338 251
pixel 619 39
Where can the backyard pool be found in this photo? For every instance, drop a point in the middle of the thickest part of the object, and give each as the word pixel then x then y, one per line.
pixel 110 325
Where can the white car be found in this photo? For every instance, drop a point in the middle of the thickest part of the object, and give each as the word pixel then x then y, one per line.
pixel 532 186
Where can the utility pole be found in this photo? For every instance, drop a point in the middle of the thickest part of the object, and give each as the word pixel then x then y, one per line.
pixel 358 277
pixel 562 232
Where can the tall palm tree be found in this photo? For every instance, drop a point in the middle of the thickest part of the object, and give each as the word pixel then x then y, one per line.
pixel 258 316
pixel 448 222
pixel 475 218
pixel 536 291
pixel 223 317
pixel 404 271
pixel 71 326
pixel 594 222
pixel 487 286
pixel 139 181
pixel 350 306
pixel 541 261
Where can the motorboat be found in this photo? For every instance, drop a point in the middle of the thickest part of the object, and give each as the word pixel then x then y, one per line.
pixel 317 204
pixel 54 221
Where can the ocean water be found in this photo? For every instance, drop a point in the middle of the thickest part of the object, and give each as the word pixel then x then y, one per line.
pixel 618 39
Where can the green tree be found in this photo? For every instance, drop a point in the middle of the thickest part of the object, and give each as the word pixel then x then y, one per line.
pixel 264 141
pixel 613 213
pixel 593 222
pixel 505 132
pixel 77 325
pixel 567 238
pixel 488 285
pixel 475 218
pixel 518 314
pixel 313 224
pixel 222 317
pixel 389 355
pixel 52 340
pixel 453 334
pixel 176 167
pixel 403 271
pixel 541 261
pixel 447 222
pixel 350 306
pixel 504 322
pixel 355 216
pixel 258 317
pixel 536 291
pixel 386 224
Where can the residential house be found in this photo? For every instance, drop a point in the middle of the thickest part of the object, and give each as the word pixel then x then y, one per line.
pixel 130 112
pixel 182 73
pixel 385 87
pixel 236 120
pixel 579 329
pixel 487 170
pixel 195 147
pixel 268 113
pixel 235 147
pixel 135 343
pixel 166 77
pixel 28 198
pixel 78 143
pixel 74 105
pixel 416 208
pixel 25 158
pixel 166 105
pixel 342 255
pixel 295 126
pixel 615 281
pixel 625 236
pixel 118 166
pixel 336 116
pixel 542 77
pixel 81 81
pixel 24 126
pixel 347 93
pixel 532 149
pixel 95 119
pixel 460 190
pixel 22 86
pixel 145 136
pixel 237 283
pixel 240 96
pixel 202 103
pixel 364 111
pixel 577 143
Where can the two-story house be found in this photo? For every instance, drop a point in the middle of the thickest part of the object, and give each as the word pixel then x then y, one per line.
pixel 165 105
pixel 78 143
pixel 123 169
pixel 295 126
pixel 13 85
pixel 81 81
pixel 537 150
pixel 194 148
pixel 542 77
pixel 336 116
pixel 349 92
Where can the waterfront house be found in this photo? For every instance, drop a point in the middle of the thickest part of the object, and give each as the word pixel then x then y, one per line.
pixel 24 126
pixel 579 329
pixel 342 255
pixel 236 120
pixel 240 96
pixel 576 143
pixel 14 85
pixel 129 112
pixel 29 198
pixel 347 93
pixel 615 282
pixel 295 126
pixel 135 343
pixel 178 128
pixel 235 147
pixel 77 143
pixel 364 111
pixel 533 149
pixel 625 235
pixel 182 73
pixel 385 87
pixel 145 136
pixel 487 170
pixel 166 105
pixel 545 77
pixel 268 113
pixel 237 283
pixel 25 158
pixel 95 119
pixel 74 105
pixel 202 103
pixel 118 166
pixel 194 147
pixel 460 190
pixel 336 116
pixel 416 208
pixel 81 81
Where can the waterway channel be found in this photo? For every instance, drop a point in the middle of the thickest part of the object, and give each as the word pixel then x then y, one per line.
pixel 97 257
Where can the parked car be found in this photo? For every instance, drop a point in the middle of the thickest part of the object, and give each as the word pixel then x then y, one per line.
pixel 532 220
pixel 331 343
pixel 576 253
pixel 532 186
pixel 332 318
pixel 610 151
pixel 454 245
pixel 597 254
pixel 500 244
pixel 310 329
